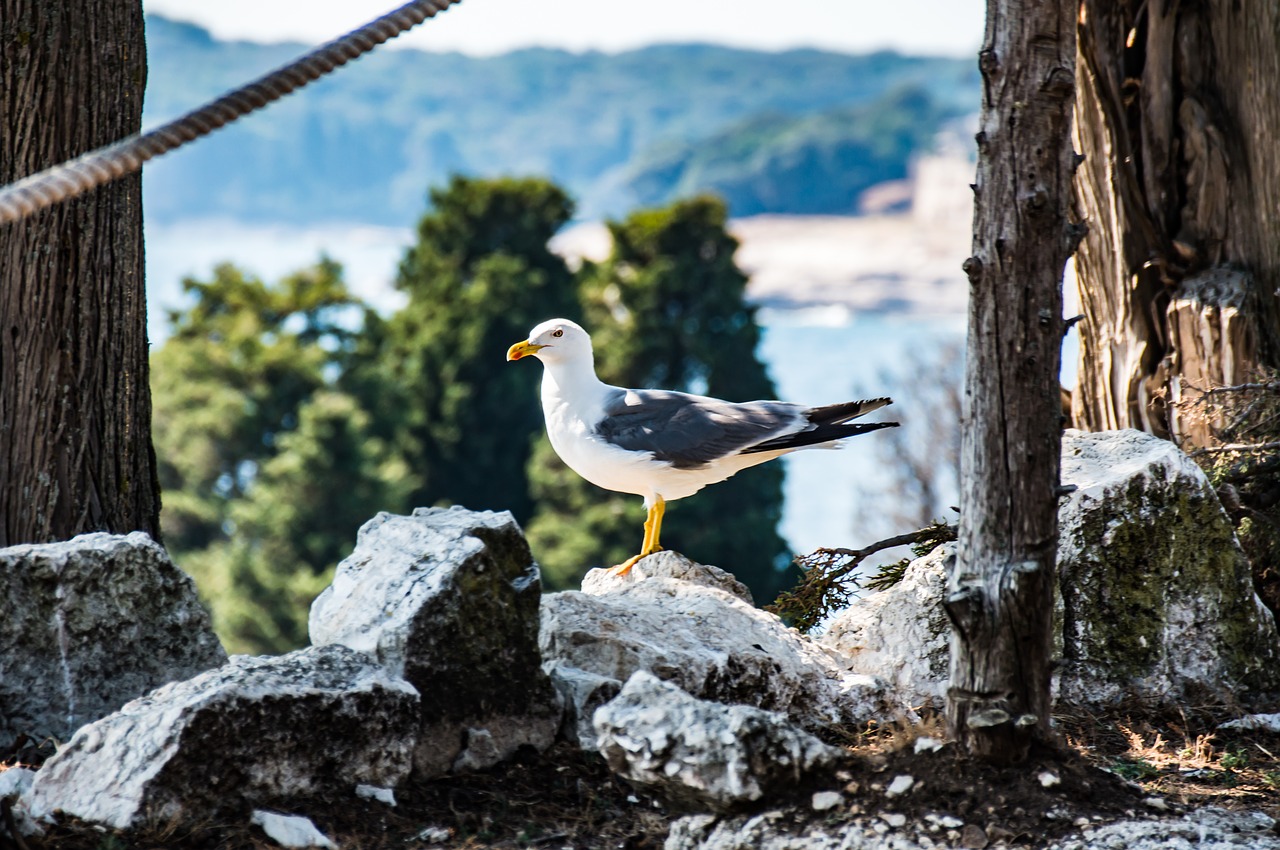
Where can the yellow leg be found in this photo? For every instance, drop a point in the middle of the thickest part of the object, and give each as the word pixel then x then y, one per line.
pixel 652 528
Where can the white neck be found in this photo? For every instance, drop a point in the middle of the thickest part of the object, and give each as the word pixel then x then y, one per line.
pixel 571 380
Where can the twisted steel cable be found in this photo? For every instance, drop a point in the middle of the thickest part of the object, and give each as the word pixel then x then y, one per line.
pixel 53 185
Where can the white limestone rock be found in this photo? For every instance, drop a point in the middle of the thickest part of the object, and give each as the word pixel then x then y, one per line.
pixel 704 753
pixel 15 784
pixel 665 564
pixel 901 634
pixel 89 624
pixel 709 642
pixel 448 599
pixel 791 830
pixel 1254 722
pixel 291 830
pixel 1156 600
pixel 1206 828
pixel 251 733
pixel 583 693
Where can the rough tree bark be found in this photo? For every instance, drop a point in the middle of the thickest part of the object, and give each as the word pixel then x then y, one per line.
pixel 1000 590
pixel 75 407
pixel 1178 117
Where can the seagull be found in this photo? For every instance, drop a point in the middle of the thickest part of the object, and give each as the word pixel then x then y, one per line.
pixel 664 445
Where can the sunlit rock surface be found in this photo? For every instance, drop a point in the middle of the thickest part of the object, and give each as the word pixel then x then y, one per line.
pixel 1155 601
pixel 901 634
pixel 251 733
pixel 448 599
pixel 90 624
pixel 704 753
pixel 704 639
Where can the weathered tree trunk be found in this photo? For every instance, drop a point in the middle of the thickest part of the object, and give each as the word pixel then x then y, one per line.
pixel 1178 117
pixel 1000 591
pixel 75 407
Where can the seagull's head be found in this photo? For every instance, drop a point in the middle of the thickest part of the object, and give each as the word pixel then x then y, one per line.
pixel 554 341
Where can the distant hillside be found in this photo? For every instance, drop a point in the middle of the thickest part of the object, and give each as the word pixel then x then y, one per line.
pixel 798 131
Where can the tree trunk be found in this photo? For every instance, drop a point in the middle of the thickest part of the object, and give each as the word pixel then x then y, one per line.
pixel 1178 118
pixel 1000 590
pixel 75 406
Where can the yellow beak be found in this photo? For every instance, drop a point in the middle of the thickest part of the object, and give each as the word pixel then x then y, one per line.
pixel 523 349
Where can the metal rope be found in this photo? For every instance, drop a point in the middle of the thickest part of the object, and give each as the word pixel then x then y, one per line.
pixel 53 185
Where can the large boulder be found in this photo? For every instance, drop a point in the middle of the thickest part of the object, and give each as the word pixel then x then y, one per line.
pixel 705 639
pixel 448 599
pixel 255 732
pixel 1155 598
pixel 703 753
pixel 90 624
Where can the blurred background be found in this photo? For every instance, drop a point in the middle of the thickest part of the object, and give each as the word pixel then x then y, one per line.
pixel 333 282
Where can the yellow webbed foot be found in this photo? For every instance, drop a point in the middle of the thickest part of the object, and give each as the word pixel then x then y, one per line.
pixel 625 567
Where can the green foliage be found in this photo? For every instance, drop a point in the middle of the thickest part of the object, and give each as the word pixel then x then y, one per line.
pixel 1135 770
pixel 478 278
pixel 361 144
pixel 267 470
pixel 808 164
pixel 667 310
pixel 830 578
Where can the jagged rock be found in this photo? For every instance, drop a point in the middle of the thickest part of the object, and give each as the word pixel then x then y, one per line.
pixel 448 599
pixel 666 564
pixel 1156 597
pixel 583 693
pixel 251 733
pixel 1208 828
pixel 90 624
pixel 901 634
pixel 704 753
pixel 15 783
pixel 708 641
pixel 791 830
pixel 1155 602
pixel 290 830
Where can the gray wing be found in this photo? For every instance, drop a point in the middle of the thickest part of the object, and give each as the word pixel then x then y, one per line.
pixel 690 431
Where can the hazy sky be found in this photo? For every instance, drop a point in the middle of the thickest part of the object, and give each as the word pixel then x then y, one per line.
pixel 947 27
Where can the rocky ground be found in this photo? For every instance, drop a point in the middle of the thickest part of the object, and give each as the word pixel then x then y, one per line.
pixel 1109 768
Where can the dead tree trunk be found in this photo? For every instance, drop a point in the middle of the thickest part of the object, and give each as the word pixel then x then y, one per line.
pixel 1000 590
pixel 1178 117
pixel 75 406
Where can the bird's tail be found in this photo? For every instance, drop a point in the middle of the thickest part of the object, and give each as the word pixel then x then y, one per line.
pixel 828 424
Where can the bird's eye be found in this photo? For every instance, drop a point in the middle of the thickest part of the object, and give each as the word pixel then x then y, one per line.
pixel 557 333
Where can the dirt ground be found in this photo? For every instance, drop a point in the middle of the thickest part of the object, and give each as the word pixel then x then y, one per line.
pixel 1108 767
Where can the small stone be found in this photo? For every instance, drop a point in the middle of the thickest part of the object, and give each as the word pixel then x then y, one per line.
pixel 894 819
pixel 290 830
pixel 825 801
pixel 999 833
pixel 373 792
pixel 1156 803
pixel 900 785
pixel 1049 779
pixel 944 821
pixel 927 745
pixel 434 835
pixel 973 837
